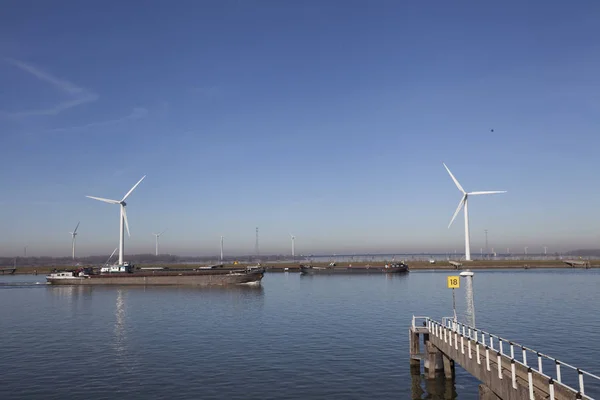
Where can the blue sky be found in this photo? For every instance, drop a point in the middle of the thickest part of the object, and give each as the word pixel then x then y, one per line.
pixel 327 119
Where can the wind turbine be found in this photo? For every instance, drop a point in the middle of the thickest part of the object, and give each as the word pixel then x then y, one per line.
pixel 157 236
pixel 464 202
pixel 122 217
pixel 73 234
pixel 293 244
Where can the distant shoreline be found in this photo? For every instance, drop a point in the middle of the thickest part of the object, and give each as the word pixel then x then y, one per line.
pixel 414 265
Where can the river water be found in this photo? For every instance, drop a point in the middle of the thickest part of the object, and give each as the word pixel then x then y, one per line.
pixel 294 337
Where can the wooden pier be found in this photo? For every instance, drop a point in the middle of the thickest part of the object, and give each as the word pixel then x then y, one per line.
pixel 508 371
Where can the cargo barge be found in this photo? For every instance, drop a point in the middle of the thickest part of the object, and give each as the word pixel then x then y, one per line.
pixel 128 275
pixel 393 268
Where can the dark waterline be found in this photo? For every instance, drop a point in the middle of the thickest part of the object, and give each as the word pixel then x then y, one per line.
pixel 294 337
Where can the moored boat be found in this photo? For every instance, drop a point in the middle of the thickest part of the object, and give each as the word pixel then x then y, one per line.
pixel 127 275
pixel 393 268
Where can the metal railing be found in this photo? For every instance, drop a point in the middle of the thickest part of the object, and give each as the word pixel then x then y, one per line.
pixel 448 327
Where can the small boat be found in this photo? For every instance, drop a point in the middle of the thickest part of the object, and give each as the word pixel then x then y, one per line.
pixel 393 268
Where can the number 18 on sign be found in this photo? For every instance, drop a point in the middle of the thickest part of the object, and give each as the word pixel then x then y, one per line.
pixel 454 283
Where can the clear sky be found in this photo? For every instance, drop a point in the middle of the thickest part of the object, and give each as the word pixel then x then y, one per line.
pixel 326 119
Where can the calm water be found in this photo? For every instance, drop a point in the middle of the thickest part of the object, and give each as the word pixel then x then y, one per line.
pixel 296 337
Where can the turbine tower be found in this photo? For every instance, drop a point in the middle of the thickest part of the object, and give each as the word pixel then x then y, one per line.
pixel 464 202
pixel 73 234
pixel 222 248
pixel 293 244
pixel 122 218
pixel 157 236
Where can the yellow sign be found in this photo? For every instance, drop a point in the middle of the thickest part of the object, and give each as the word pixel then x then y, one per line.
pixel 453 282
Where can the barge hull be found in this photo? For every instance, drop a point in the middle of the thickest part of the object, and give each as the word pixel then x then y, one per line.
pixel 352 270
pixel 164 280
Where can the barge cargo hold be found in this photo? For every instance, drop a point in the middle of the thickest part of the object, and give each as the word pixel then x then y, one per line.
pixel 199 277
pixel 394 268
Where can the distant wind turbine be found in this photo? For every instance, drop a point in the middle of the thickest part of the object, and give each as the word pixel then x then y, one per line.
pixel 293 245
pixel 222 248
pixel 157 236
pixel 122 218
pixel 73 234
pixel 464 202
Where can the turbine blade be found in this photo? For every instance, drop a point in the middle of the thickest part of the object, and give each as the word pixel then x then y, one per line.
pixel 460 205
pixel 163 232
pixel 104 200
pixel 134 186
pixel 126 223
pixel 454 179
pixel 488 192
pixel 75 231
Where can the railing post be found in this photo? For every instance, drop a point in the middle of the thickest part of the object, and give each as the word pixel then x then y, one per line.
pixel 456 341
pixel 487 357
pixel 499 361
pixel 413 322
pixel 524 356
pixel 501 349
pixel 551 388
pixel 580 381
pixel 477 348
pixel 513 373
pixel 463 325
pixel 512 350
pixel 445 338
pixel 482 338
pixel 469 344
pixel 558 371
pixel 539 363
pixel 491 341
pixel 469 333
pixel 462 345
pixel 476 338
pixel 530 381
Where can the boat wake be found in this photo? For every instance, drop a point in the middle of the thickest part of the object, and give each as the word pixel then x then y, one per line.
pixel 17 285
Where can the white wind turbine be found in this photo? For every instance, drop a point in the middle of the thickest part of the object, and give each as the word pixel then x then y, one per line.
pixel 73 234
pixel 464 202
pixel 293 244
pixel 122 217
pixel 157 236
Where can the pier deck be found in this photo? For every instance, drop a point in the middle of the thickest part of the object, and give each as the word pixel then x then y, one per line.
pixel 504 370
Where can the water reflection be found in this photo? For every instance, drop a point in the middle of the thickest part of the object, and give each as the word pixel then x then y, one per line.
pixel 71 291
pixel 120 333
pixel 439 388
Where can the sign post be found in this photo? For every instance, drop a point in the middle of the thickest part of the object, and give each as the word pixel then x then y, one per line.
pixel 454 283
